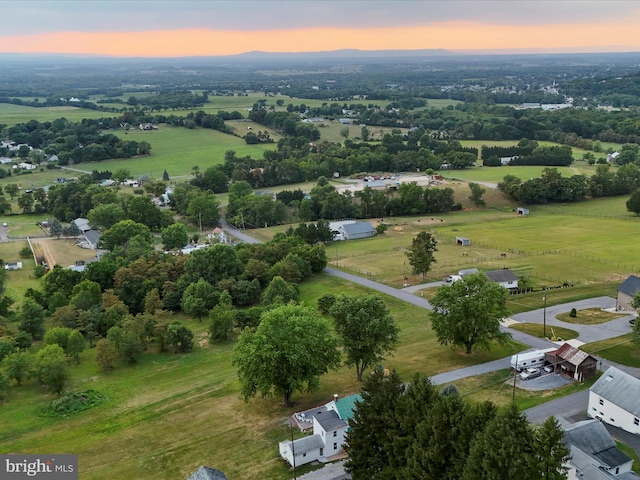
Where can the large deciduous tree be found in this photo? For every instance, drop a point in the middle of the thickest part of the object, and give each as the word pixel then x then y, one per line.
pixel 51 368
pixel 468 312
pixel 633 204
pixel 31 318
pixel 289 351
pixel 366 329
pixel 420 253
pixel 174 236
pixel 476 194
pixel 120 234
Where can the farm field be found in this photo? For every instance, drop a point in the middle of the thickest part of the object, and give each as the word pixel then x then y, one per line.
pixel 577 152
pixel 177 150
pixel 199 392
pixel 497 174
pixel 548 247
pixel 12 114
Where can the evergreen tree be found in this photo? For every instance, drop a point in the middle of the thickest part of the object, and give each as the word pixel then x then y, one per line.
pixel 505 449
pixel 373 428
pixel 551 452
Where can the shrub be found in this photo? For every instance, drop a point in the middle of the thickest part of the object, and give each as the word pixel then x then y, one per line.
pixel 325 303
pixel 26 252
pixel 39 271
pixel 73 403
pixel 573 313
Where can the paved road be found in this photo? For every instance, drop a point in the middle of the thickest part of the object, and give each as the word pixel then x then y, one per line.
pixel 234 232
pixel 587 333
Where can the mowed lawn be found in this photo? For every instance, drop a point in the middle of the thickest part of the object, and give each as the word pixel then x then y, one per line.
pixel 170 413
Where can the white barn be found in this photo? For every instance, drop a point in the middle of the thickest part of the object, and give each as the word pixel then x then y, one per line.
pixel 615 399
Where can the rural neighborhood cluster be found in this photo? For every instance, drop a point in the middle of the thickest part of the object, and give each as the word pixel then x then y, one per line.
pixel 422 267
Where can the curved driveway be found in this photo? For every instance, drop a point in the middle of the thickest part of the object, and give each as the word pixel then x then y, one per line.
pixel 586 333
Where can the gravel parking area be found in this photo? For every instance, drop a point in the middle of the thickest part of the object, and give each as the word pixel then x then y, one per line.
pixel 544 382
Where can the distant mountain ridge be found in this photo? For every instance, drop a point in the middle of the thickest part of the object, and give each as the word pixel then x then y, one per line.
pixel 347 53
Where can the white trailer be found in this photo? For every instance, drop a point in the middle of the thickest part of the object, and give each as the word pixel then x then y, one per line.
pixel 530 359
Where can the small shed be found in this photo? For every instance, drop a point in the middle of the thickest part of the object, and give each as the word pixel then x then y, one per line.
pixel 626 291
pixel 522 211
pixel 465 242
pixel 572 362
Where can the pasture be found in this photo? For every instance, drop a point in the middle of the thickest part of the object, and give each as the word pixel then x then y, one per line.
pixel 189 413
pixel 552 245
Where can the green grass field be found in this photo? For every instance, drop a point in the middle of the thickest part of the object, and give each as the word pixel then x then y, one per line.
pixel 11 114
pixel 177 412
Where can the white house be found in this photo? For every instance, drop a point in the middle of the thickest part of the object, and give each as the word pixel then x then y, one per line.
pixel 330 425
pixel 13 266
pixel 615 399
pixel 505 277
pixel 594 454
pixel 27 166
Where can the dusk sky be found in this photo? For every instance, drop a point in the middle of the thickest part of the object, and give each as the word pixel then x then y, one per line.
pixel 168 28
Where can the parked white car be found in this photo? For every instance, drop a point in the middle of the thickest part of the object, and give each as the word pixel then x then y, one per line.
pixel 529 373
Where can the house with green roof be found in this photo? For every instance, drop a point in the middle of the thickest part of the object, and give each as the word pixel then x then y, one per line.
pixel 330 425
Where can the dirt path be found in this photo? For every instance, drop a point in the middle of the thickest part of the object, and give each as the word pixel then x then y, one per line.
pixel 42 249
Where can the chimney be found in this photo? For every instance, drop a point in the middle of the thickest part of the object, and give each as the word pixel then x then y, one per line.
pixel 335 397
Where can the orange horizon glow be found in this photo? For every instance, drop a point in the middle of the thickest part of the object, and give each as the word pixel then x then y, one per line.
pixel 449 36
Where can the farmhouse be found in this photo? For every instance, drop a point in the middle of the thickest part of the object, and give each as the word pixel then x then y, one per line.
pixel 615 399
pixel 594 454
pixel 353 231
pixel 330 425
pixel 91 238
pixel 572 362
pixel 626 291
pixel 13 266
pixel 505 277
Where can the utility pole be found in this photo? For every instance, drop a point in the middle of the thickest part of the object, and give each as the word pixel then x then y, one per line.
pixel 515 372
pixel 544 316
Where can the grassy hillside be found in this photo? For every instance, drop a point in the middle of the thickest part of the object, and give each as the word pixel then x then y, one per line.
pixel 172 413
